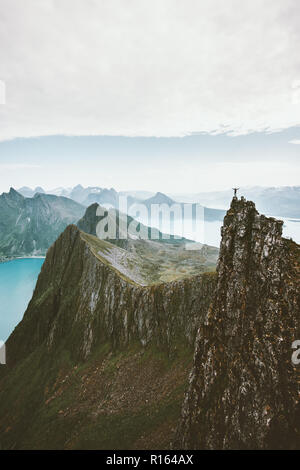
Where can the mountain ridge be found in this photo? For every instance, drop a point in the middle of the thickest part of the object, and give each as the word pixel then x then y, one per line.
pixel 99 362
pixel 84 364
pixel 154 256
pixel 30 225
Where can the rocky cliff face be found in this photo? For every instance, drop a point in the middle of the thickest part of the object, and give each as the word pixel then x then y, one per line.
pixel 243 390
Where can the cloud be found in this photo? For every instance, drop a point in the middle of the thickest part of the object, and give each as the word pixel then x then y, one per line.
pixel 17 166
pixel 295 142
pixel 165 67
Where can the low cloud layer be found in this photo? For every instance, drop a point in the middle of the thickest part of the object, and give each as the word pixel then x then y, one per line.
pixel 161 68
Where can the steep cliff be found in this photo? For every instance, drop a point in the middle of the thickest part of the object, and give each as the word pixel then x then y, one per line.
pixel 243 389
pixel 80 299
pixel 99 361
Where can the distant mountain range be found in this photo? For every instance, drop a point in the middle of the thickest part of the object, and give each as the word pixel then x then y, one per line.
pixel 90 195
pixel 111 198
pixel 276 201
pixel 29 225
pixel 85 196
pixel 210 214
pixel 28 192
pixel 281 201
pixel 159 198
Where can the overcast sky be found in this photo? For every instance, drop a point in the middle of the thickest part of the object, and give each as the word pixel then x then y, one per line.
pixel 159 68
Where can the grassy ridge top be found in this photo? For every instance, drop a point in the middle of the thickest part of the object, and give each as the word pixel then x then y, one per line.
pixel 148 262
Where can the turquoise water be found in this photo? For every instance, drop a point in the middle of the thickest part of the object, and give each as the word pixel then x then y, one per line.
pixel 17 282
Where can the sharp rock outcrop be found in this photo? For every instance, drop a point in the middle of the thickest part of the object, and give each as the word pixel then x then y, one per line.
pixel 244 390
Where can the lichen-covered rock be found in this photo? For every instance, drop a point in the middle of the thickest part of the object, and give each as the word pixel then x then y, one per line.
pixel 244 390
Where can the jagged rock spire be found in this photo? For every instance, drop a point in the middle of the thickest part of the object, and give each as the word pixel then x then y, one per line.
pixel 243 389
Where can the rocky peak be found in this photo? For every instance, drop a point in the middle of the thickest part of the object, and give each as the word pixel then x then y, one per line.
pixel 14 195
pixel 88 222
pixel 159 198
pixel 243 389
pixel 39 189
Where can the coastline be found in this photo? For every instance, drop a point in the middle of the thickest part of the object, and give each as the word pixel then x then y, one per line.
pixel 12 258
